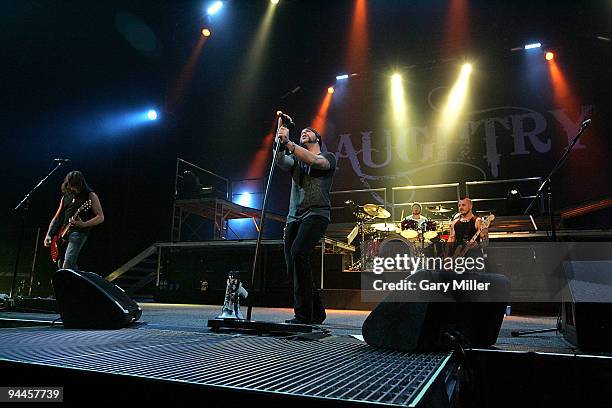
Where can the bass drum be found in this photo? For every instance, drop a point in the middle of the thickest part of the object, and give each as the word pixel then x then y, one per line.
pixel 385 248
pixel 393 246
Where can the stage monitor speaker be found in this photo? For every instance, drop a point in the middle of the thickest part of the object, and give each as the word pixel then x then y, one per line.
pixel 86 300
pixel 426 322
pixel 586 315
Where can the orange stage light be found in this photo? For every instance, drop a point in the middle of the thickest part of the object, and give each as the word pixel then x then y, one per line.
pixel 357 53
pixel 319 120
pixel 177 91
pixel 457 27
pixel 330 90
pixel 549 56
pixel 262 158
pixel 206 32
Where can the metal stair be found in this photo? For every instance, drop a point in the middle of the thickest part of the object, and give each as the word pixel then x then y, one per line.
pixel 138 272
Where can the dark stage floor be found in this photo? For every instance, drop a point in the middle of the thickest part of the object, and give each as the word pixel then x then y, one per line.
pixel 339 323
pixel 173 350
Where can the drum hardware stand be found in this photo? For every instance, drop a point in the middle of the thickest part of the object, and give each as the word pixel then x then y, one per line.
pixel 22 209
pixel 362 218
pixel 248 324
pixel 546 189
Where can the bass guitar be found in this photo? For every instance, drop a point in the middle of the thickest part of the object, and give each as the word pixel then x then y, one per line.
pixel 484 224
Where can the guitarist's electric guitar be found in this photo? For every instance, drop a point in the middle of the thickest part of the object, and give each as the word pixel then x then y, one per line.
pixel 484 224
pixel 61 238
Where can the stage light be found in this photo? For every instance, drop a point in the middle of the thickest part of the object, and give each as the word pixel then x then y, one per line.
pixel 532 46
pixel 456 98
pixel 341 77
pixel 550 56
pixel 245 199
pixel 398 102
pixel 357 49
pixel 206 32
pixel 320 120
pixel 249 75
pixel 215 7
pixel 152 114
pixel 274 1
pixel 124 121
pixel 330 90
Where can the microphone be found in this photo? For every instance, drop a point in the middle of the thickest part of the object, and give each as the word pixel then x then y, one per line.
pixel 287 121
pixel 586 123
pixel 61 160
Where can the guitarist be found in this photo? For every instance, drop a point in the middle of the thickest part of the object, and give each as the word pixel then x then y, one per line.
pixel 463 229
pixel 75 192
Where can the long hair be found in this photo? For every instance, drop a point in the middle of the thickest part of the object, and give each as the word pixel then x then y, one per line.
pixel 75 179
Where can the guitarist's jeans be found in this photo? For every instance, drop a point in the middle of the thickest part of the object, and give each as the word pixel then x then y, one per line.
pixel 76 240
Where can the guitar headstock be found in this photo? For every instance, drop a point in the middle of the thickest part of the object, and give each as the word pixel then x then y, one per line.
pixel 86 206
pixel 486 221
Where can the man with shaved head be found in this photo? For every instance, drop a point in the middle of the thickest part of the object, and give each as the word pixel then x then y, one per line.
pixel 464 228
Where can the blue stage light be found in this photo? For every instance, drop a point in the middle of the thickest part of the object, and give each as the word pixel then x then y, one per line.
pixel 216 6
pixel 532 46
pixel 245 199
pixel 152 114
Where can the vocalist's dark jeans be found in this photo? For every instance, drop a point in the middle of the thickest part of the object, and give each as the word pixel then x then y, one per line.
pixel 301 237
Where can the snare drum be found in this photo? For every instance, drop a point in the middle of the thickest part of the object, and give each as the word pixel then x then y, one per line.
pixel 430 230
pixel 410 229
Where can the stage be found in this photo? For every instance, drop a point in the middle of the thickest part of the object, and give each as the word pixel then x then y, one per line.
pixel 171 353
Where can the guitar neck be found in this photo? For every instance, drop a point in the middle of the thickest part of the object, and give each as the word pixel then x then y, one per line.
pixel 66 227
pixel 476 235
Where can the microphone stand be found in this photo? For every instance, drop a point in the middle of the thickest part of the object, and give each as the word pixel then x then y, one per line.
pixel 547 185
pixel 248 324
pixel 22 209
pixel 262 217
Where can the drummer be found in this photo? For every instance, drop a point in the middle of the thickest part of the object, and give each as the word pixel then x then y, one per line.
pixel 416 215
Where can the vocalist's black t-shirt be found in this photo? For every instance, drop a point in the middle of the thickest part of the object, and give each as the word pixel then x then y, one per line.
pixel 310 189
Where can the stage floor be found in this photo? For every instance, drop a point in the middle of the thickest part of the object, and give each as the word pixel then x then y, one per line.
pixel 173 351
pixel 344 323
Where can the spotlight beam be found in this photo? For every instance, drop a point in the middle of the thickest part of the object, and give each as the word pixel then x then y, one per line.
pixel 245 86
pixel 321 118
pixel 398 101
pixel 456 98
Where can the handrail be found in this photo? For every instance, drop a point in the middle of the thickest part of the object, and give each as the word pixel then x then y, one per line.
pixel 204 170
pixel 483 182
pixel 425 186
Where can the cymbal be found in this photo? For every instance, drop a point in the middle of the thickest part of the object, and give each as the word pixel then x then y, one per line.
pixel 376 211
pixel 439 209
pixel 385 226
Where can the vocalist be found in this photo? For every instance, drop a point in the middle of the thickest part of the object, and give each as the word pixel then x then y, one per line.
pixel 312 172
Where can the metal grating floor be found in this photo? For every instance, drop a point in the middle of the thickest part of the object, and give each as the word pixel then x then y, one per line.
pixel 324 369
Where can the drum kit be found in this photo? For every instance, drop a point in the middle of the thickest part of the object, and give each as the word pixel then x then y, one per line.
pixel 381 237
